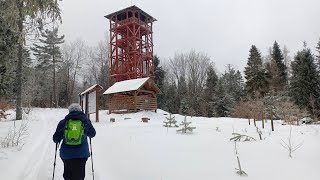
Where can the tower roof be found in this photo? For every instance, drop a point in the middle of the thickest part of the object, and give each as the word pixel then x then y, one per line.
pixel 133 8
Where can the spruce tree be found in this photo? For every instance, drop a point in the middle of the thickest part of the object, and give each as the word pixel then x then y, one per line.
pixel 184 107
pixel 182 95
pixel 8 41
pixel 222 100
pixel 171 97
pixel 231 89
pixel 233 85
pixel 159 80
pixel 49 56
pixel 19 14
pixel 304 84
pixel 210 90
pixel 278 69
pixel 255 74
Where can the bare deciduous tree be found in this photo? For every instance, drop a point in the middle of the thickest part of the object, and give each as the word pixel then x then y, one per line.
pixel 74 54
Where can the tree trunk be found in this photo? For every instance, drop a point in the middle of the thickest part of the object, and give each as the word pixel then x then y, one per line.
pixel 272 121
pixel 19 64
pixel 262 119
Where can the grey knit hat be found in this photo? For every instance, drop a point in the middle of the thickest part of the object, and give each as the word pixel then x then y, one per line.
pixel 74 107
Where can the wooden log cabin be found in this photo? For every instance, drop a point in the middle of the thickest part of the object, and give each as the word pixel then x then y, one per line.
pixel 132 95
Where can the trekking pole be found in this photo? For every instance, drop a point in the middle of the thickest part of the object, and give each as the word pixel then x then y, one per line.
pixel 55 157
pixel 91 160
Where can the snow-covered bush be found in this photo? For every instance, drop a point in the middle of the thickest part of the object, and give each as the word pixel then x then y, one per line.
pixel 289 144
pixel 306 120
pixel 15 136
pixel 239 137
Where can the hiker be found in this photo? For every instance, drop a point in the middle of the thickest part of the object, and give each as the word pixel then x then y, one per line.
pixel 74 150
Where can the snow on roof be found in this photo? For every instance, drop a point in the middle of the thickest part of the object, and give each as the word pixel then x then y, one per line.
pixel 91 88
pixel 127 85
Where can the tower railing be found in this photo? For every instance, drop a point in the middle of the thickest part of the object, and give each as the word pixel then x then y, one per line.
pixel 130 20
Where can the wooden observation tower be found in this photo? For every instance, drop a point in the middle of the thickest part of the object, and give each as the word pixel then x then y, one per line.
pixel 132 86
pixel 131 45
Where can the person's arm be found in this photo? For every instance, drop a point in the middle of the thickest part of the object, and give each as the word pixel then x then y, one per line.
pixel 91 132
pixel 58 135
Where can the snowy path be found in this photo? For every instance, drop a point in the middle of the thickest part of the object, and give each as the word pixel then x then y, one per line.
pixel 36 157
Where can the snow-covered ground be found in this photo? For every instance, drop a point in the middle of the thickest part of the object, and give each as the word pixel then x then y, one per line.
pixel 132 150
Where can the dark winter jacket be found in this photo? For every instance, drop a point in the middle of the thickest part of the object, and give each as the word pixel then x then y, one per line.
pixel 74 151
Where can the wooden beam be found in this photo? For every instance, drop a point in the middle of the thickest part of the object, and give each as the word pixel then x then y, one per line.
pixel 146 91
pixel 87 106
pixel 97 105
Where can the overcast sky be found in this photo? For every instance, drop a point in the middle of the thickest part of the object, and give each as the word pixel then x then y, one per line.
pixel 224 29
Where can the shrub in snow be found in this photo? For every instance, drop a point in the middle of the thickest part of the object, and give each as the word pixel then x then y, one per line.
pixel 4 106
pixel 289 145
pixel 238 137
pixel 15 136
pixel 145 119
pixel 259 132
pixel 27 109
pixel 171 122
pixel 3 114
pixel 306 120
pixel 185 126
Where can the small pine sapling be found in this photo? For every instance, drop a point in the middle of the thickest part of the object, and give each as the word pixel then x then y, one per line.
pixel 185 126
pixel 171 122
pixel 239 170
pixel 237 137
pixel 289 145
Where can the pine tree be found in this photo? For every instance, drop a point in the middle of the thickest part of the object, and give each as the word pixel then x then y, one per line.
pixel 255 74
pixel 49 56
pixel 278 69
pixel 304 84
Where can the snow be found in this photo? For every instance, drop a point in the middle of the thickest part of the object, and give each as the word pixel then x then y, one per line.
pixel 127 85
pixel 129 149
pixel 91 88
